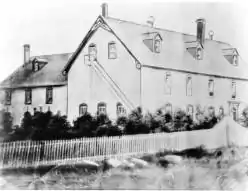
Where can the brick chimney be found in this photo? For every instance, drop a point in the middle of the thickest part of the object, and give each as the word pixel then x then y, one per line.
pixel 150 21
pixel 200 30
pixel 26 53
pixel 104 10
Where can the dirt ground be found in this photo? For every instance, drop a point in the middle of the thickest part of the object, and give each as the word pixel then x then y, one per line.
pixel 227 171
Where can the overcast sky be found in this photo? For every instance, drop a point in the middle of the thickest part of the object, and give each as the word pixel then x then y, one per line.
pixel 58 26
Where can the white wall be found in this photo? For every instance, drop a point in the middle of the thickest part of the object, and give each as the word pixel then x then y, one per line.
pixel 18 107
pixel 85 86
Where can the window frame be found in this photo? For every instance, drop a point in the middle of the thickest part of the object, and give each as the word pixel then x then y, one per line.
pixel 100 106
pixel 155 46
pixel 8 97
pixel 199 56
pixel 47 95
pixel 211 93
pixel 92 45
pixel 120 109
pixel 28 102
pixel 188 113
pixel 235 63
pixel 111 52
pixel 189 90
pixel 84 108
pixel 234 89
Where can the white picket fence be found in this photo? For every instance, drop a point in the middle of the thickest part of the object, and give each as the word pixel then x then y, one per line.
pixel 42 153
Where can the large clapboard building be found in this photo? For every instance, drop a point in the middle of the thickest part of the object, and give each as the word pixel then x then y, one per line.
pixel 120 65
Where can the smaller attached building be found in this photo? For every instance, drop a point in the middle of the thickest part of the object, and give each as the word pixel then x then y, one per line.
pixel 37 84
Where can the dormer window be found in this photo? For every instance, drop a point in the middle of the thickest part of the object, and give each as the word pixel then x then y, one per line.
pixel 157 45
pixel 231 55
pixel 36 66
pixel 153 41
pixel 199 53
pixel 235 60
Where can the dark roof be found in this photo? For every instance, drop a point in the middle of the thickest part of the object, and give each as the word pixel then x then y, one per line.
pixel 49 75
pixel 173 54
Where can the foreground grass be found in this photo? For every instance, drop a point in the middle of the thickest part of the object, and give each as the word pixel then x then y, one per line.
pixel 220 169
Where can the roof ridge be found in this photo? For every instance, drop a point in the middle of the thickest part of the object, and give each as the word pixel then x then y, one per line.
pixel 55 54
pixel 163 29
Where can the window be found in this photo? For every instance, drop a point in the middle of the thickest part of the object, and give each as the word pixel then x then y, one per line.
pixel 120 110
pixel 92 50
pixel 235 60
pixel 35 66
pixel 101 108
pixel 168 84
pixel 189 86
pixel 233 90
pixel 198 53
pixel 211 87
pixel 7 97
pixel 190 110
pixel 49 95
pixel 83 108
pixel 112 54
pixel 28 96
pixel 157 45
pixel 168 108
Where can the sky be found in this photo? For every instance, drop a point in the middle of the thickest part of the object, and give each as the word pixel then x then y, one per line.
pixel 58 26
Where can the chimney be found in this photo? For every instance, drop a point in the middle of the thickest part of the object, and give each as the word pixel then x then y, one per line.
pixel 200 31
pixel 211 35
pixel 150 21
pixel 26 53
pixel 104 10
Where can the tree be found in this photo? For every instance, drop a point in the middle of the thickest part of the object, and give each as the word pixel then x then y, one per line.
pixel 7 121
pixel 27 122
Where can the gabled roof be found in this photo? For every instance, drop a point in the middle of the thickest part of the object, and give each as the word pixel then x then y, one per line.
pixel 49 75
pixel 174 54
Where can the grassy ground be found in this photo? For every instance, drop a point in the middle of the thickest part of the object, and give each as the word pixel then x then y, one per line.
pixel 219 169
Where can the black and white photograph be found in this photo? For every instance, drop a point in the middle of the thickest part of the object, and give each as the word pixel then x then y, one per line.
pixel 123 95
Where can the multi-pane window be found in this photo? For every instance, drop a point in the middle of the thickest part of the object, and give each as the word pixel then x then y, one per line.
pixel 28 96
pixel 157 45
pixel 189 86
pixel 233 89
pixel 168 83
pixel 190 110
pixel 112 53
pixel 49 95
pixel 7 97
pixel 101 108
pixel 211 87
pixel 92 51
pixel 120 110
pixel 83 108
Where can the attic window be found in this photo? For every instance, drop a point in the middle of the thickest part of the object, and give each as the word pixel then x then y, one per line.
pixel 199 53
pixel 231 56
pixel 157 45
pixel 36 66
pixel 235 60
pixel 153 41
